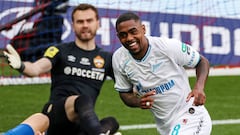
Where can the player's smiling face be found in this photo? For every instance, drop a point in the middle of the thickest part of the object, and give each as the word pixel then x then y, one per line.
pixel 131 35
pixel 85 24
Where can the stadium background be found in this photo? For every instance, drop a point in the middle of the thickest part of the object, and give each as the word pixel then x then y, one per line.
pixel 212 27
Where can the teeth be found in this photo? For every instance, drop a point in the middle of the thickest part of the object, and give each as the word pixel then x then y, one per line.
pixel 132 44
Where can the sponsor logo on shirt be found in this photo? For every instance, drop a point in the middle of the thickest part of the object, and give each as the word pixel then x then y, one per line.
pixel 185 48
pixel 192 59
pixel 91 74
pixel 159 89
pixel 85 61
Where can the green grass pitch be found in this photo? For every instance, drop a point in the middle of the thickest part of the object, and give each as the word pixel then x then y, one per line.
pixel 223 98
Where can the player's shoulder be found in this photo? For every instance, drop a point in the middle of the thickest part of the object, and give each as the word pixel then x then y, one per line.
pixel 64 45
pixel 163 43
pixel 53 50
pixel 61 46
pixel 158 40
pixel 120 52
pixel 103 52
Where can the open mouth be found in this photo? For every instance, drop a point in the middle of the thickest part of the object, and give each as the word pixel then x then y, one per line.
pixel 132 44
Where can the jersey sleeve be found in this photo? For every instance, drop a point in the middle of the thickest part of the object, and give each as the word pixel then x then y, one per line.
pixel 110 67
pixel 182 53
pixel 52 53
pixel 122 84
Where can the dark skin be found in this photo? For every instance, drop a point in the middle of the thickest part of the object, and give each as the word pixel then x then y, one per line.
pixel 131 34
pixel 131 100
pixel 202 70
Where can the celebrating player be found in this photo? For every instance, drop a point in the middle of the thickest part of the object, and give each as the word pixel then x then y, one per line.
pixel 78 70
pixel 154 68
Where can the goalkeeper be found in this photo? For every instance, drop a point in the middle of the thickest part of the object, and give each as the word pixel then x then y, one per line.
pixel 78 70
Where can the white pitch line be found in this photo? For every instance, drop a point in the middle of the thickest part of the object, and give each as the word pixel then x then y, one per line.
pixel 224 122
pixel 144 126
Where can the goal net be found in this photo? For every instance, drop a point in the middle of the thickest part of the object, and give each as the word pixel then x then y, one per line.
pixel 212 27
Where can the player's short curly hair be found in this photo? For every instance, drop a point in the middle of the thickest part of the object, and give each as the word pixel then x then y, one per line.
pixel 127 16
pixel 85 7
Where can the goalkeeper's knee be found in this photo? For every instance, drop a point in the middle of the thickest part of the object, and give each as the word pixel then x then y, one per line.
pixel 89 122
pixel 22 129
pixel 83 104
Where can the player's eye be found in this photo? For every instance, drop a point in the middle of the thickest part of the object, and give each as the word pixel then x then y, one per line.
pixel 122 35
pixel 133 31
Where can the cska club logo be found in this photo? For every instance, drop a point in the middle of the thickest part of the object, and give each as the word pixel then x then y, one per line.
pixel 98 62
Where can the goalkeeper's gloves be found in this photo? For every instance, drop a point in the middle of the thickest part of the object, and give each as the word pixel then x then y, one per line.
pixel 14 59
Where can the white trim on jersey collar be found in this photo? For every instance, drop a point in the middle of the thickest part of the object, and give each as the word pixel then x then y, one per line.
pixel 146 55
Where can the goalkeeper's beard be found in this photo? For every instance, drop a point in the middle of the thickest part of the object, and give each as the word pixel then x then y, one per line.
pixel 86 38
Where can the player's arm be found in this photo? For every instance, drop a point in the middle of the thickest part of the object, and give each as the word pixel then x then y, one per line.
pixel 38 67
pixel 185 55
pixel 131 100
pixel 202 70
pixel 42 65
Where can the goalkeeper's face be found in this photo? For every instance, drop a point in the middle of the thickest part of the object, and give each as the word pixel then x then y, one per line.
pixel 85 24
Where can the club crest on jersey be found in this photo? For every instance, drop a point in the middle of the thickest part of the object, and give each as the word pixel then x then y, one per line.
pixel 98 62
pixel 51 52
